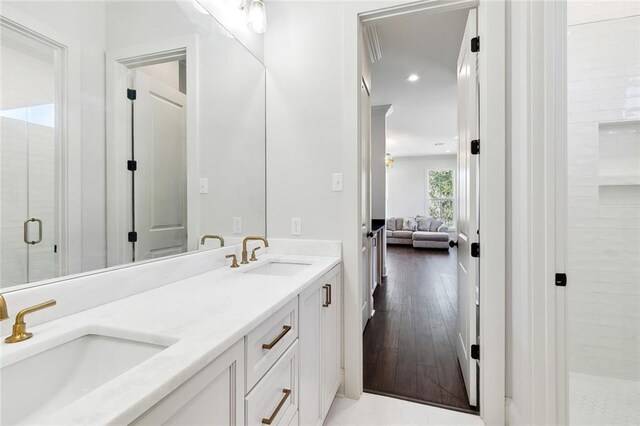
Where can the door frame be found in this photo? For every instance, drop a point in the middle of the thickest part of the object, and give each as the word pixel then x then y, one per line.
pixel 492 31
pixel 68 135
pixel 118 63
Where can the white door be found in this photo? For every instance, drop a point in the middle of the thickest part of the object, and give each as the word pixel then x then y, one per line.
pixel 365 146
pixel 160 179
pixel 468 209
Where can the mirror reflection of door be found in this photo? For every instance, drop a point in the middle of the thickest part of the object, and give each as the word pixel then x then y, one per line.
pixel 159 146
pixel 30 146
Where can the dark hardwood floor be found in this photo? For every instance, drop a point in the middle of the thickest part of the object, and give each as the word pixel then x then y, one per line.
pixel 409 344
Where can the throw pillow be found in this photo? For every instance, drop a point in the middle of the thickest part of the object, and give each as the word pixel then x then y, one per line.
pixel 409 224
pixel 399 223
pixel 391 224
pixel 435 224
pixel 423 223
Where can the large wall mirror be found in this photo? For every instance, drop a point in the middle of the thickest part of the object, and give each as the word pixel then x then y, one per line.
pixel 128 131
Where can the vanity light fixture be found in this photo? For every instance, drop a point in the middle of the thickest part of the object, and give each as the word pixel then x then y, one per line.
pixel 413 78
pixel 257 17
pixel 388 160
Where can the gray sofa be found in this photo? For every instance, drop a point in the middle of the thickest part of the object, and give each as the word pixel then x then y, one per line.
pixel 419 232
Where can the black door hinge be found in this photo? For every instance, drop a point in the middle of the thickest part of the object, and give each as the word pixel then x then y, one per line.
pixel 475 146
pixel 561 280
pixel 475 352
pixel 55 248
pixel 132 236
pixel 132 165
pixel 475 249
pixel 131 94
pixel 475 44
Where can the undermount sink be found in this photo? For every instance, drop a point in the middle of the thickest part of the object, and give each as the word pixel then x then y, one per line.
pixel 46 382
pixel 283 269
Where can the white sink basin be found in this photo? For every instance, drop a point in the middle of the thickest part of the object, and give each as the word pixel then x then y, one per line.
pixel 46 382
pixel 283 269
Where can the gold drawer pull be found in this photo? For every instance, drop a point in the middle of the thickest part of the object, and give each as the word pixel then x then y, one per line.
pixel 285 330
pixel 270 420
pixel 327 297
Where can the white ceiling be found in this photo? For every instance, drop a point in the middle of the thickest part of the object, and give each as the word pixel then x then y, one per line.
pixel 425 111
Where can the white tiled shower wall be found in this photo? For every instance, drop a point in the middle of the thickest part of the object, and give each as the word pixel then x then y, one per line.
pixel 604 189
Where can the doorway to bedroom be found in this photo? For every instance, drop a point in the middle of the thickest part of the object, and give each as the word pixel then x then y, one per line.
pixel 418 337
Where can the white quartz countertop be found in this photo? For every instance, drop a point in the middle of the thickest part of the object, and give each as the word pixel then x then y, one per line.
pixel 198 318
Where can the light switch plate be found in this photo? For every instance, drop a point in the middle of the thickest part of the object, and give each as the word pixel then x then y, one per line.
pixel 237 225
pixel 204 185
pixel 296 226
pixel 336 182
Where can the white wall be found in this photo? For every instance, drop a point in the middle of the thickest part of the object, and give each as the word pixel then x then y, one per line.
pixel 408 183
pixel 313 84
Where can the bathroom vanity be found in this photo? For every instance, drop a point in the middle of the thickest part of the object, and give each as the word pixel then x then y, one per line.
pixel 259 344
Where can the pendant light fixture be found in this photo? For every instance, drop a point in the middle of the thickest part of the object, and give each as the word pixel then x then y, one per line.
pixel 257 17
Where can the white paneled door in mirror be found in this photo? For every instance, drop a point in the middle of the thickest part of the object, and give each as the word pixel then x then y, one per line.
pixel 30 146
pixel 603 151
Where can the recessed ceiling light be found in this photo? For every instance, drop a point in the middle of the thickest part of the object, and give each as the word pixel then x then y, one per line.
pixel 413 77
pixel 448 151
pixel 455 137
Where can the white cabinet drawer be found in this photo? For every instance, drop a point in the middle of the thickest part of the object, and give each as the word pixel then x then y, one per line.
pixel 265 343
pixel 274 400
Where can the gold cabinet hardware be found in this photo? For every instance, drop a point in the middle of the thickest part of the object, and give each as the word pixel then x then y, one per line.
pixel 285 396
pixel 20 327
pixel 234 262
pixel 253 254
pixel 325 304
pixel 285 330
pixel 245 254
pixel 217 237
pixel 4 312
pixel 327 295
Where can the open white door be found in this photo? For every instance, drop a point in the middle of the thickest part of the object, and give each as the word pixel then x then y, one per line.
pixel 160 151
pixel 468 209
pixel 365 147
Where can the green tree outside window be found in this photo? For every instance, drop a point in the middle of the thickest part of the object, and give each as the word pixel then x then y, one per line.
pixel 440 195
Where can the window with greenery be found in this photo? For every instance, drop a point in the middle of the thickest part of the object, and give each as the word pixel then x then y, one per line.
pixel 440 195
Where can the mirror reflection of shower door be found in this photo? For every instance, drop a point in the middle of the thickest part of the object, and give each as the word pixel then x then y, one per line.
pixel 29 156
pixel 160 151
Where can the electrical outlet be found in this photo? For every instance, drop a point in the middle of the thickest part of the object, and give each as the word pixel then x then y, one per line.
pixel 237 225
pixel 296 226
pixel 204 185
pixel 336 182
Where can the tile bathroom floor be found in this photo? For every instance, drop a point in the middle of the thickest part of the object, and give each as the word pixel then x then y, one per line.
pixel 376 410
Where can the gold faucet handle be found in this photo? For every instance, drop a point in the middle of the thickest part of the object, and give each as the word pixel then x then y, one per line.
pixel 20 327
pixel 253 254
pixel 234 262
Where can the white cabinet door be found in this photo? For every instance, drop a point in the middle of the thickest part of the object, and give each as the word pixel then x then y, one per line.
pixel 309 340
pixel 320 342
pixel 213 396
pixel 331 339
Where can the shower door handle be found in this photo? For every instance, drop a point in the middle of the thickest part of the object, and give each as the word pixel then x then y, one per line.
pixel 26 231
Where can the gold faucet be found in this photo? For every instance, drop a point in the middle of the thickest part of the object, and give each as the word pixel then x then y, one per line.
pixel 4 313
pixel 245 254
pixel 218 237
pixel 20 327
pixel 234 262
pixel 253 254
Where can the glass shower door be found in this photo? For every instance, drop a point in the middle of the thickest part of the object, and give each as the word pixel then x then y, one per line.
pixel 29 156
pixel 603 293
